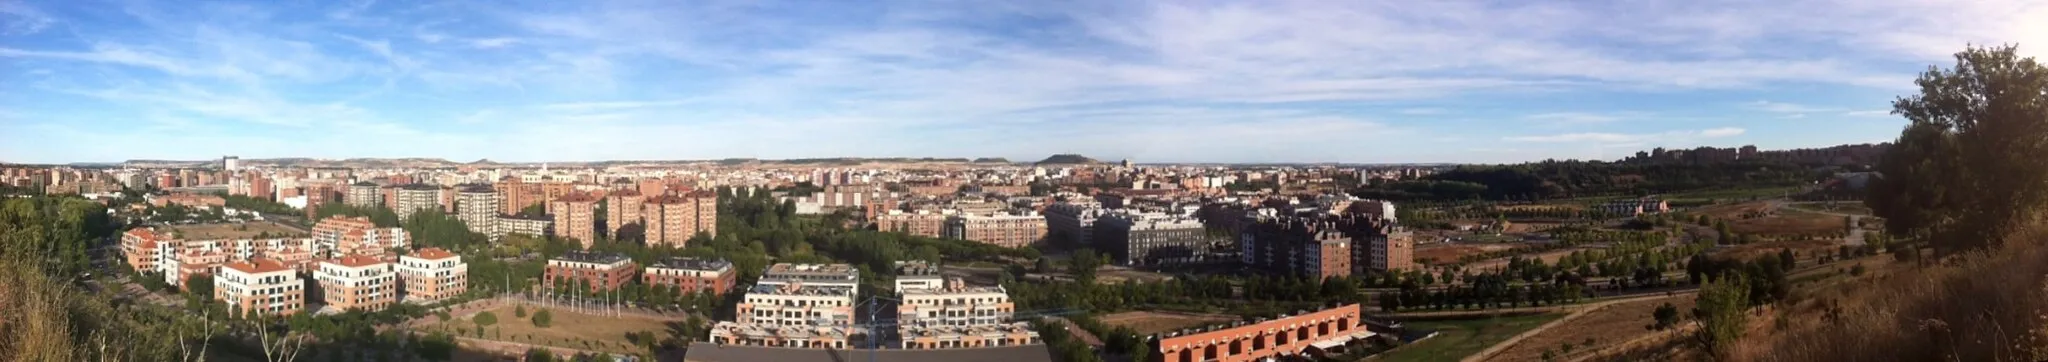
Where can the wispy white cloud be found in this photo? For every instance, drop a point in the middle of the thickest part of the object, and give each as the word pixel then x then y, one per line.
pixel 18 18
pixel 1782 107
pixel 1576 118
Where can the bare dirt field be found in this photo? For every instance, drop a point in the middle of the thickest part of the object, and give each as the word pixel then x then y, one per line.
pixel 1790 222
pixel 1607 326
pixel 233 230
pixel 1159 322
pixel 1548 258
pixel 1543 207
pixel 1449 253
pixel 567 329
pixel 1529 227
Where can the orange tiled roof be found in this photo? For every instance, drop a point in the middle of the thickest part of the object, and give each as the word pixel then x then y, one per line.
pixel 433 254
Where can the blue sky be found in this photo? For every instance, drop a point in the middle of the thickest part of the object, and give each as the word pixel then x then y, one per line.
pixel 1258 81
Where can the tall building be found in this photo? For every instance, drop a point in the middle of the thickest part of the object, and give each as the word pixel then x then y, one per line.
pixel 691 275
pixel 1014 231
pixel 412 198
pixel 231 163
pixel 432 274
pixel 364 195
pixel 576 218
pixel 477 207
pixel 796 306
pixel 622 206
pixel 1072 223
pixel 514 196
pixel 260 287
pixel 1325 245
pixel 674 219
pixel 597 271
pixel 356 282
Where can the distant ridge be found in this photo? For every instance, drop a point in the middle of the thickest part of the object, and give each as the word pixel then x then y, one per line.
pixel 991 160
pixel 1068 159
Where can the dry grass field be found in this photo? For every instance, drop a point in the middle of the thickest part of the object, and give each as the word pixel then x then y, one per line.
pixel 1548 258
pixel 567 329
pixel 1732 211
pixel 1790 222
pixel 1751 251
pixel 1612 325
pixel 1158 322
pixel 1449 253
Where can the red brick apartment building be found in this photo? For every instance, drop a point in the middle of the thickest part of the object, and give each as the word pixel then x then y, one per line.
pixel 576 218
pixel 601 271
pixel 692 275
pixel 357 282
pixel 1298 335
pixel 673 219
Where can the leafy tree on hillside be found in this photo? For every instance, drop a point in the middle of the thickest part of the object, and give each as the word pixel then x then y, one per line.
pixel 1967 169
pixel 1723 312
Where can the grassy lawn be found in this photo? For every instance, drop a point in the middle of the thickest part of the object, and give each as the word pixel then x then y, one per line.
pixel 1461 338
pixel 568 329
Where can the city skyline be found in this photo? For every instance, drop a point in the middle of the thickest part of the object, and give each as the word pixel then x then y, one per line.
pixel 1161 82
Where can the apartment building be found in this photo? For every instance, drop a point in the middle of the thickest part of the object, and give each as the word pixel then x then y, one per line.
pixel 674 219
pixel 956 315
pixel 1013 231
pixel 916 274
pixel 432 274
pixel 599 271
pixel 477 206
pixel 356 282
pixel 1264 339
pixel 412 198
pixel 514 195
pixel 1072 223
pixel 339 236
pixel 796 306
pixel 1154 239
pixel 623 206
pixel 515 224
pixel 1310 244
pixel 364 195
pixel 921 223
pixel 691 275
pixel 260 287
pixel 576 218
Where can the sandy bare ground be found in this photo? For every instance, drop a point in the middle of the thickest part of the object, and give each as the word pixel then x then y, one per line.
pixel 1147 322
pixel 1612 325
pixel 1490 352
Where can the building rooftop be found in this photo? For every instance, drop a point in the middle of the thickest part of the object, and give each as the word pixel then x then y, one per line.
pixel 795 289
pixel 257 265
pixel 811 272
pixel 916 268
pixel 693 264
pixel 478 188
pixel 433 254
pixel 355 261
pixel 591 257
pixel 419 187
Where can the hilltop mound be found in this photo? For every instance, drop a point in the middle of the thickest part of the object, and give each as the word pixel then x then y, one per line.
pixel 1068 159
pixel 991 160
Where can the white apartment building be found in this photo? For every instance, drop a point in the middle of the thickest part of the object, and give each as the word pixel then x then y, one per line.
pixel 356 282
pixel 796 305
pixel 260 286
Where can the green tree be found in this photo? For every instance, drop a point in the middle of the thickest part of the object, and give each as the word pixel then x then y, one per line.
pixel 1984 119
pixel 1723 312
pixel 1666 316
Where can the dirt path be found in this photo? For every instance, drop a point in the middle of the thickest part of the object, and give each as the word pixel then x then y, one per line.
pixel 1503 345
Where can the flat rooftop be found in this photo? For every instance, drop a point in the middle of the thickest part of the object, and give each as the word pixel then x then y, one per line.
pixel 591 257
pixel 247 230
pixel 811 272
pixel 692 264
pixel 713 352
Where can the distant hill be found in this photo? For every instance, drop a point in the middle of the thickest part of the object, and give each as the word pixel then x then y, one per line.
pixel 991 160
pixel 1068 159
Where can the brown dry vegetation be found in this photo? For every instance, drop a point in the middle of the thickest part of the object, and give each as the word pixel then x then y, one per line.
pixel 1983 306
pixel 1790 222
pixel 1732 211
pixel 1751 251
pixel 1609 326
pixel 1146 322
pixel 1450 253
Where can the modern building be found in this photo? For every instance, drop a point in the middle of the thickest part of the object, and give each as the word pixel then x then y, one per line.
pixel 260 287
pixel 432 274
pixel 921 223
pixel 796 306
pixel 576 218
pixel 1015 231
pixel 1072 223
pixel 691 275
pixel 955 315
pixel 1636 207
pixel 412 198
pixel 674 219
pixel 623 206
pixel 514 195
pixel 477 206
pixel 1325 245
pixel 534 226
pixel 598 271
pixel 1156 239
pixel 339 236
pixel 364 195
pixel 356 282
pixel 918 275
pixel 1266 339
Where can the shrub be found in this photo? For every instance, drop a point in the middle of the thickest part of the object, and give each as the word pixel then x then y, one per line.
pixel 442 315
pixel 542 318
pixel 485 319
pixel 519 311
